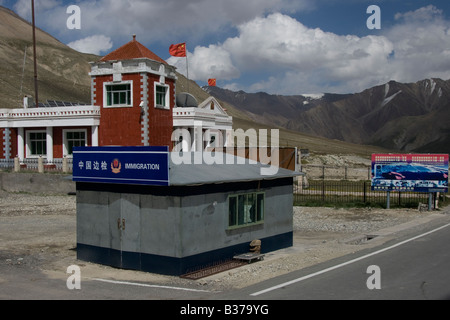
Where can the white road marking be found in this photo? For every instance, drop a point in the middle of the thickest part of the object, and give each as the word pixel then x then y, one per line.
pixel 147 285
pixel 345 263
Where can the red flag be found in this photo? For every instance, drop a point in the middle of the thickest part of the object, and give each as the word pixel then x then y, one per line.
pixel 178 50
pixel 212 82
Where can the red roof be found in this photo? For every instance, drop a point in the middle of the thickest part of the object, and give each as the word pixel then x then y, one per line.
pixel 132 50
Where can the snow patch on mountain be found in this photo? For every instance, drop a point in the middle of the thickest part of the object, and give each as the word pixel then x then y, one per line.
pixel 389 99
pixel 386 90
pixel 314 96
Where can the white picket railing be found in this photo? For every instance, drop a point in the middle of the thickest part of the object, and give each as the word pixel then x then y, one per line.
pixel 38 164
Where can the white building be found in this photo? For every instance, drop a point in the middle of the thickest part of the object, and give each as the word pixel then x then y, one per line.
pixel 133 104
pixel 206 126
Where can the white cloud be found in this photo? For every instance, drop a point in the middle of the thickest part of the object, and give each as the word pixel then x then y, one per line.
pixel 47 7
pixel 291 58
pixel 94 44
pixel 205 63
pixel 233 86
pixel 297 57
pixel 424 14
pixel 422 45
pixel 281 41
pixel 156 20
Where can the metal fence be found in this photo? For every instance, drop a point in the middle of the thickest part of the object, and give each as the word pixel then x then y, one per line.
pixel 356 193
pixel 327 172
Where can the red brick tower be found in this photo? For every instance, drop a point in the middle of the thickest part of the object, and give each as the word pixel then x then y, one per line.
pixel 136 92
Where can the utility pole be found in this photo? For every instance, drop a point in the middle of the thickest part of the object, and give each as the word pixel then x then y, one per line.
pixel 35 59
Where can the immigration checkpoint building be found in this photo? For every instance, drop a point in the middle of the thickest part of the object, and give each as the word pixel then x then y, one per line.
pixel 136 208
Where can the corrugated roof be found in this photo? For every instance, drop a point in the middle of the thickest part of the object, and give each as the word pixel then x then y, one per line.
pixel 197 171
pixel 132 50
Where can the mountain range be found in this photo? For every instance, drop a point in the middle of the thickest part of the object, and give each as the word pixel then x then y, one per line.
pixel 396 117
pixel 407 117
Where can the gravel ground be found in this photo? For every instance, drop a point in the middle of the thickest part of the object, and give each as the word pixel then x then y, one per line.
pixel 23 204
pixel 320 234
pixel 39 233
pixel 355 220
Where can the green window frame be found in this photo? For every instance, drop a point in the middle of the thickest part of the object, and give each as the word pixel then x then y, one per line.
pixel 161 96
pixel 246 209
pixel 75 139
pixel 38 143
pixel 118 94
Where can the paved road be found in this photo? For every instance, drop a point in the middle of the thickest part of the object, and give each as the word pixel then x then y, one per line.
pixel 415 267
pixel 26 284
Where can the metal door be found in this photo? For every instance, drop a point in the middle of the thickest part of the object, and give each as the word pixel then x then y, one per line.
pixel 125 230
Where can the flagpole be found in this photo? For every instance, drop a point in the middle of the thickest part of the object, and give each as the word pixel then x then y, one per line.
pixel 34 52
pixel 187 70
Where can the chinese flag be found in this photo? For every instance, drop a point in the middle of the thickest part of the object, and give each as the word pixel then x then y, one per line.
pixel 178 50
pixel 212 82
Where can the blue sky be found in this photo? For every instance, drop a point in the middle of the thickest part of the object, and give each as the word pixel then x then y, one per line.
pixel 276 46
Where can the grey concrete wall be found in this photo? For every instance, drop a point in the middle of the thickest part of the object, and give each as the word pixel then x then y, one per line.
pixel 52 184
pixel 93 221
pixel 147 223
pixel 160 226
pixel 205 220
pixel 174 226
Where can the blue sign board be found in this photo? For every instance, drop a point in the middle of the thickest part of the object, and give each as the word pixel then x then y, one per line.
pixel 122 165
pixel 410 172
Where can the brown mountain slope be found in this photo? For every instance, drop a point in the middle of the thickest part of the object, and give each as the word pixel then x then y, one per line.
pixel 404 117
pixel 62 72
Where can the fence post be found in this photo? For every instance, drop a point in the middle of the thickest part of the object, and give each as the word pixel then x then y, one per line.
pixel 64 165
pixel 388 200
pixel 436 200
pixel 40 165
pixel 430 201
pixel 323 191
pixel 16 164
pixel 364 192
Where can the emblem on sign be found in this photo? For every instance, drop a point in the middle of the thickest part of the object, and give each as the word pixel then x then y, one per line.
pixel 116 166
